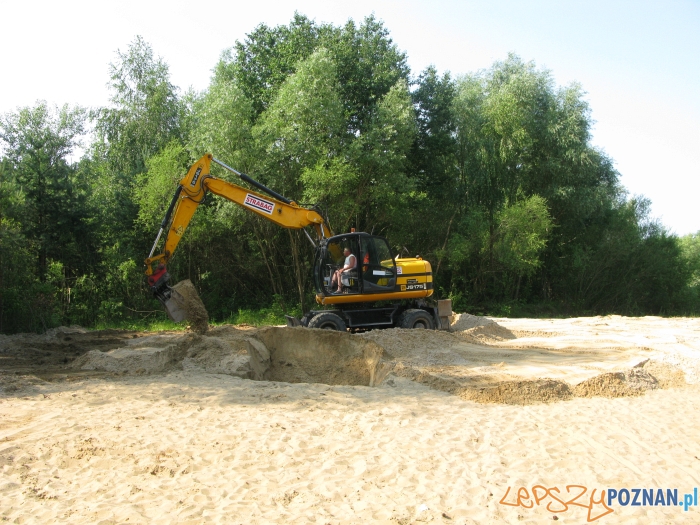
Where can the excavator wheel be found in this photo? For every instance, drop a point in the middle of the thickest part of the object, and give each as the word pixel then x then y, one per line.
pixel 415 318
pixel 328 321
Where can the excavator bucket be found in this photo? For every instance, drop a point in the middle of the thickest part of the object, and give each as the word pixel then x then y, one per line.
pixel 176 307
pixel 181 301
pixel 184 298
pixel 173 301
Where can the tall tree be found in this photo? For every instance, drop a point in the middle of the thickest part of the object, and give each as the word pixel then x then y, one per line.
pixel 145 113
pixel 38 143
pixel 47 236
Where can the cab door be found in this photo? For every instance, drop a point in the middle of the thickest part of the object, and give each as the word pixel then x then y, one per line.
pixel 330 258
pixel 377 266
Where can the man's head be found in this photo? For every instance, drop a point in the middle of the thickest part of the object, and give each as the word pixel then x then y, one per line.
pixel 346 251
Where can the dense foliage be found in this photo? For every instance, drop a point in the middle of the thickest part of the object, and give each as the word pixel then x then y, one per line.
pixel 491 176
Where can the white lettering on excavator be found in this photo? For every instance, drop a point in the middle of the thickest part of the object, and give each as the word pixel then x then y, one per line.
pixel 259 204
pixel 196 176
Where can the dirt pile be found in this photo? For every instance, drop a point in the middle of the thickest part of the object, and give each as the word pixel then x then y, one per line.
pixel 222 351
pixel 479 330
pixel 422 347
pixel 632 382
pixel 152 354
pixel 483 363
pixel 498 389
pixel 666 375
pixel 10 383
pixel 188 299
pixel 520 392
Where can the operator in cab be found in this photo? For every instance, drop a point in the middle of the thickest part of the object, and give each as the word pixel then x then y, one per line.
pixel 350 264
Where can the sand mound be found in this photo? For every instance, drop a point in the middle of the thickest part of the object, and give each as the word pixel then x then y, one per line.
pixel 64 330
pixel 508 375
pixel 520 392
pixel 189 300
pixel 461 322
pixel 501 389
pixel 302 355
pixel 489 389
pixel 632 382
pixel 479 330
pixel 423 347
pixel 225 353
pixel 667 376
pixel 144 355
pixel 50 355
pixel 10 383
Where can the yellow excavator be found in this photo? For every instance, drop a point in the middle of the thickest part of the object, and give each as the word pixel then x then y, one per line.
pixel 374 288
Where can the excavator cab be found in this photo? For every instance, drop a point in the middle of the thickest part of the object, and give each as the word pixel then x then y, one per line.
pixel 374 272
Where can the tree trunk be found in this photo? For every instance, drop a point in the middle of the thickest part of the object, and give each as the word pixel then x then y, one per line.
pixel 275 289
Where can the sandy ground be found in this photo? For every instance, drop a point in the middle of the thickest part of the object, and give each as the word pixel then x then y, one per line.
pixel 126 427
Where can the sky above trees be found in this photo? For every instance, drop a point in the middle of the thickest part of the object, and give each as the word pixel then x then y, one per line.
pixel 636 61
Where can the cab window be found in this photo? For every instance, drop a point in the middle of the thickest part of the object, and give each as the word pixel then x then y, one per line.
pixel 377 265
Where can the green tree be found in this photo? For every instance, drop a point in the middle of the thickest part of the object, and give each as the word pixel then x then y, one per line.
pixel 267 57
pixel 303 126
pixel 48 239
pixel 521 236
pixel 221 123
pixel 38 144
pixel 690 245
pixel 145 114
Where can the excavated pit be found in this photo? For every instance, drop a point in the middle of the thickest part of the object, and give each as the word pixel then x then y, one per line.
pixel 302 355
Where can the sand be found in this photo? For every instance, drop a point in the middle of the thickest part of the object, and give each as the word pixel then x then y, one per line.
pixel 129 427
pixel 185 294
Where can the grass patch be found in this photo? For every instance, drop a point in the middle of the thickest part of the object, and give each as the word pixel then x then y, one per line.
pixel 140 325
pixel 269 316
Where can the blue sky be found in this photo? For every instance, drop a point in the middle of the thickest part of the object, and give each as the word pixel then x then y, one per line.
pixel 638 61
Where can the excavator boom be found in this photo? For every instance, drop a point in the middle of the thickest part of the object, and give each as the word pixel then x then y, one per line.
pixel 198 181
pixel 189 195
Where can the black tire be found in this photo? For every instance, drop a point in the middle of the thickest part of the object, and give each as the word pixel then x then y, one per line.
pixel 328 321
pixel 415 318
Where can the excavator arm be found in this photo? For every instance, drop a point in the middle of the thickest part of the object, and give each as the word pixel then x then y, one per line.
pixel 189 195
